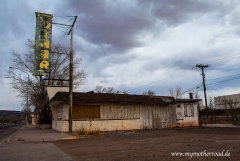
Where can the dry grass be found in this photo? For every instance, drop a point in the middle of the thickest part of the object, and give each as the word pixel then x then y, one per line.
pixel 84 132
pixel 97 133
pixel 81 132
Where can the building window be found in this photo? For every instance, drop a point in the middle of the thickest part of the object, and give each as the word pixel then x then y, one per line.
pixel 188 110
pixel 90 111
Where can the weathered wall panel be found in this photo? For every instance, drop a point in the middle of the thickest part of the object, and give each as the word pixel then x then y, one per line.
pixel 65 113
pixel 121 116
pixel 119 111
pixel 54 116
pixel 157 117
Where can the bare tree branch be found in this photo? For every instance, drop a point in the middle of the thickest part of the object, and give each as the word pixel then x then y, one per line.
pixel 59 66
pixel 101 89
pixel 175 93
pixel 149 93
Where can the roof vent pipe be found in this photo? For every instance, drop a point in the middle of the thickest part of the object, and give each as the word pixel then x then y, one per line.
pixel 191 96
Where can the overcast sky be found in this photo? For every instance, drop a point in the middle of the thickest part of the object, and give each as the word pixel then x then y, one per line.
pixel 134 45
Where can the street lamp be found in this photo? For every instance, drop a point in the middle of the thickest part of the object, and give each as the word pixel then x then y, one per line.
pixel 26 114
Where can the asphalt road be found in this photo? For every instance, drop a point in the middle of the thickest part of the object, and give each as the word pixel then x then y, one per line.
pixel 32 152
pixel 27 151
pixel 7 130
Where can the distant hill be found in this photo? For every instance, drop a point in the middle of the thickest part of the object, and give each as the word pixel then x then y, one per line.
pixel 5 113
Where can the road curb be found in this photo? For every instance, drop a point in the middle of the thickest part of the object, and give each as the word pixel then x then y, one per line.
pixel 70 138
pixel 10 138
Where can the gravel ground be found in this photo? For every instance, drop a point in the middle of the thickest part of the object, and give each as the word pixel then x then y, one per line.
pixel 157 144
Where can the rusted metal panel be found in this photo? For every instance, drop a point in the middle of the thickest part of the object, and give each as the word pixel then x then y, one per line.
pixel 43 41
pixel 91 111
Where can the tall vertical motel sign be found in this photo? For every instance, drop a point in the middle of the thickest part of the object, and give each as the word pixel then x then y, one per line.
pixel 43 38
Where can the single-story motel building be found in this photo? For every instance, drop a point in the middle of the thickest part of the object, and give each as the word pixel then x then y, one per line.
pixel 111 112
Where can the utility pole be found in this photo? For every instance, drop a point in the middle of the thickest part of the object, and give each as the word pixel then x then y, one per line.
pixel 204 86
pixel 71 77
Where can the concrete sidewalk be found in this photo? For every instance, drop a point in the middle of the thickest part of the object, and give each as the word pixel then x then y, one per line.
pixel 35 134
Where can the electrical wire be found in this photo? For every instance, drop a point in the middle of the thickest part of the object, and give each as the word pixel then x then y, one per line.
pixel 178 81
pixel 61 39
pixel 69 20
pixel 64 16
pixel 222 77
pixel 223 59
pixel 58 37
pixel 161 80
pixel 63 27
pixel 195 87
pixel 223 81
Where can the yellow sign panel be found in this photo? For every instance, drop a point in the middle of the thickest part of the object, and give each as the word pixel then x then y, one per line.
pixel 43 39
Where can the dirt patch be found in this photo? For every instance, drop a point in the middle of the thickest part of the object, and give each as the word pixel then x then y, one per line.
pixel 156 144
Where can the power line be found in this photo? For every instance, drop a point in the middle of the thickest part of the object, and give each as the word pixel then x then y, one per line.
pixel 184 73
pixel 64 16
pixel 67 27
pixel 223 81
pixel 224 58
pixel 223 77
pixel 161 80
pixel 195 87
pixel 180 80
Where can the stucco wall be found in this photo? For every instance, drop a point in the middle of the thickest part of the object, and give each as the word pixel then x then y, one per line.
pixel 60 124
pixel 65 125
pixel 108 125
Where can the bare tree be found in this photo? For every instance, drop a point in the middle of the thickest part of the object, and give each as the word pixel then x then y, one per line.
pixel 125 92
pixel 210 102
pixel 178 92
pixel 229 103
pixel 149 93
pixel 101 89
pixel 98 89
pixel 196 95
pixel 59 70
pixel 171 92
pixel 175 93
